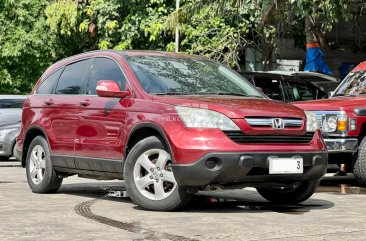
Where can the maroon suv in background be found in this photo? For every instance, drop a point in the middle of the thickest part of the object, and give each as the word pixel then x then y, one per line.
pixel 342 119
pixel 169 125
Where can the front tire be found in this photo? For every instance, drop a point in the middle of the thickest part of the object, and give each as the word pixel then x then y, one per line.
pixel 295 195
pixel 41 175
pixel 359 168
pixel 149 177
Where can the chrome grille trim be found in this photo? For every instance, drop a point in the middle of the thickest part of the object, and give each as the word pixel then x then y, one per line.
pixel 268 122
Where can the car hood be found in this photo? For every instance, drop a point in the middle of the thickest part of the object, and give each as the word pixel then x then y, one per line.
pixel 235 107
pixel 337 103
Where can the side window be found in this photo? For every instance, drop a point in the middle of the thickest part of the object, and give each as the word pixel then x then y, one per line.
pixel 48 84
pixel 11 103
pixel 72 77
pixel 105 69
pixel 271 87
pixel 303 92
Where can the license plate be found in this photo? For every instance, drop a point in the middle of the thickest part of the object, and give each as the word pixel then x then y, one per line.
pixel 291 165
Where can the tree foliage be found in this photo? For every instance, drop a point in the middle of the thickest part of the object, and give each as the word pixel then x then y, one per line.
pixel 35 33
pixel 26 48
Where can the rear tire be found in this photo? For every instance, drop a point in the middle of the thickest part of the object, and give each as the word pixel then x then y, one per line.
pixel 359 168
pixel 298 194
pixel 41 175
pixel 149 178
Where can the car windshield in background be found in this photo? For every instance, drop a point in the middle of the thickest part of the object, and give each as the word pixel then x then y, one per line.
pixel 353 85
pixel 11 103
pixel 185 76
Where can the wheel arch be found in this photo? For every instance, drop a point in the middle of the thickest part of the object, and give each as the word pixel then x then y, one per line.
pixel 144 130
pixel 31 133
pixel 362 133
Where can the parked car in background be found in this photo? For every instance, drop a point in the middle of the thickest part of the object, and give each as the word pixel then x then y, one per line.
pixel 10 123
pixel 342 119
pixel 290 86
pixel 169 125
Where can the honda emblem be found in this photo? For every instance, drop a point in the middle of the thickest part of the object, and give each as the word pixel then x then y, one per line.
pixel 277 123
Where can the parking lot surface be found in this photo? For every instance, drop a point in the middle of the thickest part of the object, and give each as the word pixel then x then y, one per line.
pixel 86 209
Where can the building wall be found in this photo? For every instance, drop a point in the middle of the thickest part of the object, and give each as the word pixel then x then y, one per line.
pixel 346 42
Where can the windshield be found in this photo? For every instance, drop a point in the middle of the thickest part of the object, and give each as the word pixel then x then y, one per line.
pixel 185 76
pixel 354 84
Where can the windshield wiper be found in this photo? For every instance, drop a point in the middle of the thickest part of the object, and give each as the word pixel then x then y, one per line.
pixel 227 93
pixel 170 93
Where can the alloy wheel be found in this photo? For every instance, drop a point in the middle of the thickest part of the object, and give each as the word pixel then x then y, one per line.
pixel 153 175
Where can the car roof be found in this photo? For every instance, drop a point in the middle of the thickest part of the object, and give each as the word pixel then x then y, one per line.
pixel 361 66
pixel 134 53
pixel 124 53
pixel 293 74
pixel 161 53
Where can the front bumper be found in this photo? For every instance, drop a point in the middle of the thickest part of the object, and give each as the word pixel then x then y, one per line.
pixel 341 144
pixel 18 153
pixel 248 168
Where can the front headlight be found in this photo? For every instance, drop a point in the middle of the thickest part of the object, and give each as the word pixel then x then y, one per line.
pixel 334 122
pixel 311 123
pixel 202 118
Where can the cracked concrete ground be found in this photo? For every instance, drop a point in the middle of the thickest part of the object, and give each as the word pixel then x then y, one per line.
pixel 86 209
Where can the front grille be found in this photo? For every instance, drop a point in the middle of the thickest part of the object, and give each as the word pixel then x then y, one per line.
pixel 319 120
pixel 268 122
pixel 241 138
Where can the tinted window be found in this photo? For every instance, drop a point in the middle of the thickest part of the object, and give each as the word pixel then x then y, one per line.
pixel 11 103
pixel 271 87
pixel 48 84
pixel 305 92
pixel 72 77
pixel 105 69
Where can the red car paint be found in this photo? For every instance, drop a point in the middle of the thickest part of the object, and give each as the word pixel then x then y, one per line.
pixel 347 104
pixel 347 146
pixel 97 127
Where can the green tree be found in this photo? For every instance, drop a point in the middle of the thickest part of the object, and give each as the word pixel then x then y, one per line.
pixel 266 21
pixel 26 47
pixel 98 24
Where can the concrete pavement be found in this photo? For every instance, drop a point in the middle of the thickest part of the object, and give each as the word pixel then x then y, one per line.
pixel 95 210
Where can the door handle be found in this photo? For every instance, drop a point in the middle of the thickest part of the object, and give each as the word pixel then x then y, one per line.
pixel 49 102
pixel 85 103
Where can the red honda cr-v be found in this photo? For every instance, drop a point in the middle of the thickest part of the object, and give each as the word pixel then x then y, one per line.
pixel 169 125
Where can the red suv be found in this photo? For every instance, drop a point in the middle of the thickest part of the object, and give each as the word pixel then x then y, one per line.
pixel 342 119
pixel 169 125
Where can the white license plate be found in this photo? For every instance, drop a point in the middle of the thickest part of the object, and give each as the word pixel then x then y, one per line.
pixel 291 165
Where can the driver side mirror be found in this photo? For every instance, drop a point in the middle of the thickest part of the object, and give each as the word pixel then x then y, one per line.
pixel 110 88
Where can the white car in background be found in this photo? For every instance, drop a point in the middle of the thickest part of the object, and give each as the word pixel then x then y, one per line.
pixel 10 123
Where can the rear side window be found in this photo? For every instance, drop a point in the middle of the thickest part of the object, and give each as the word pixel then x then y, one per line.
pixel 11 103
pixel 105 69
pixel 305 92
pixel 72 77
pixel 49 83
pixel 271 87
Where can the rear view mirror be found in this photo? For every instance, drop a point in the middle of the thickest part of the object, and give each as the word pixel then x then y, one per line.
pixel 110 88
